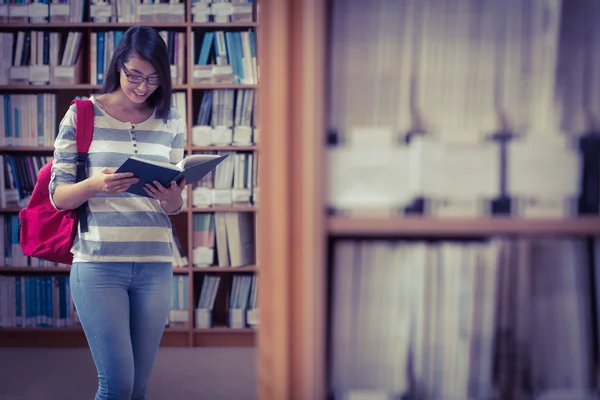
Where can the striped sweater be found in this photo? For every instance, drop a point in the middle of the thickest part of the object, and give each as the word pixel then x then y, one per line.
pixel 121 226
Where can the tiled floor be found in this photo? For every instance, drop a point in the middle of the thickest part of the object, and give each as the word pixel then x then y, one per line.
pixel 179 374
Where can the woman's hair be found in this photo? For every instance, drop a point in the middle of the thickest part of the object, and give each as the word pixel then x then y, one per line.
pixel 146 43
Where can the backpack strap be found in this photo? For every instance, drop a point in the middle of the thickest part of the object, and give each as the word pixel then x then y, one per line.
pixel 84 131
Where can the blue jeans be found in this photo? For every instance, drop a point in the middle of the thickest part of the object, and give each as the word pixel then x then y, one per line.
pixel 123 308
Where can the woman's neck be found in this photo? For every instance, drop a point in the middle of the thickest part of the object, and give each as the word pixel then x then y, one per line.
pixel 118 99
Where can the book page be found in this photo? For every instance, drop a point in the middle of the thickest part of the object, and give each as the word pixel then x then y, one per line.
pixel 195 159
pixel 157 163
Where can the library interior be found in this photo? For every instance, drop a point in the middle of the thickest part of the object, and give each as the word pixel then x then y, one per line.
pixel 375 161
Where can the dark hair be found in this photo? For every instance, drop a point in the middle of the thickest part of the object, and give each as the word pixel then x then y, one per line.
pixel 147 43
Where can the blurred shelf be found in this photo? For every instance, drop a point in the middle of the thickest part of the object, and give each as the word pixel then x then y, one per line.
pixel 378 226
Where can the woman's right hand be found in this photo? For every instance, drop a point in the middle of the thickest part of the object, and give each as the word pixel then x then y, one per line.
pixel 106 181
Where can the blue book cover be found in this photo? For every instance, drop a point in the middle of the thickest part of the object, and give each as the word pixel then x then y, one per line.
pixel 193 167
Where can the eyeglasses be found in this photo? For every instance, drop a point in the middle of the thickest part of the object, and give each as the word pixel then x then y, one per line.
pixel 153 80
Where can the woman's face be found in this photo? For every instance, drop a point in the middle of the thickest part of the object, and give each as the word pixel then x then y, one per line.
pixel 139 79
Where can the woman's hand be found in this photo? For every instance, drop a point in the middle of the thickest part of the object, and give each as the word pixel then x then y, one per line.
pixel 170 197
pixel 106 181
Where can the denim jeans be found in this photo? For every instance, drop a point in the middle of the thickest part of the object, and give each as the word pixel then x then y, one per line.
pixel 123 308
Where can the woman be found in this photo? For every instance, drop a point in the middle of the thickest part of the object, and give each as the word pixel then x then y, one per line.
pixel 121 277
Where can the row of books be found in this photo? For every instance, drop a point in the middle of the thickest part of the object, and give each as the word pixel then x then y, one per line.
pixel 233 182
pixel 373 168
pixel 18 176
pixel 178 102
pixel 42 57
pixel 243 304
pixel 219 239
pixel 28 119
pixel 225 56
pixel 11 254
pixel 243 301
pixel 222 11
pixel 180 259
pixel 103 44
pixel 45 301
pixel 499 319
pixel 39 11
pixel 178 314
pixel 461 72
pixel 226 117
pixel 36 301
pixel 137 11
pixel 455 110
pixel 39 57
pixel 224 239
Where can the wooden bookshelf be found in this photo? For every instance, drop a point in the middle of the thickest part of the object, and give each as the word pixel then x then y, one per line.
pixel 293 340
pixel 183 223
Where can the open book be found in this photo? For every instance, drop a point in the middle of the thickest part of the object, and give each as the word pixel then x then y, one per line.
pixel 193 168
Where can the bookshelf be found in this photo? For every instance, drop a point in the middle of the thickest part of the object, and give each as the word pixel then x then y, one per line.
pixel 189 18
pixel 296 313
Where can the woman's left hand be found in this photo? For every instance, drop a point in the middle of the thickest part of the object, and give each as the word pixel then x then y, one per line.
pixel 170 197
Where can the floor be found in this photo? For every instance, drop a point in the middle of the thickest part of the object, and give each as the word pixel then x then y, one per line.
pixel 179 374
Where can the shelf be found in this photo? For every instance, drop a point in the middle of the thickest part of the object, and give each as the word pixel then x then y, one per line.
pixel 176 270
pixel 9 210
pixel 346 226
pixel 36 270
pixel 224 25
pixel 39 149
pixel 245 268
pixel 232 208
pixel 80 86
pixel 239 208
pixel 63 270
pixel 225 148
pixel 125 25
pixel 84 25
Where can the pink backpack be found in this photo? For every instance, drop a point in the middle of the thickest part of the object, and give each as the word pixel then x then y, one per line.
pixel 45 232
